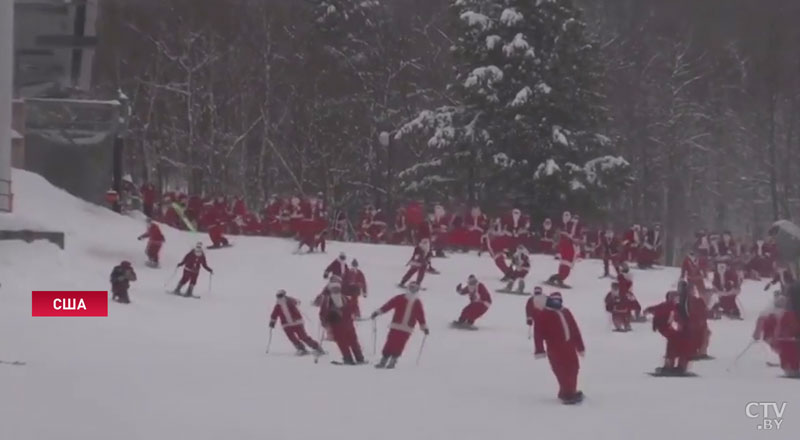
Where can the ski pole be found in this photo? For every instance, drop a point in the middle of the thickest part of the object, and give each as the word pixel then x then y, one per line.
pixel 530 332
pixel 269 341
pixel 374 337
pixel 421 346
pixel 210 279
pixel 171 277
pixel 736 360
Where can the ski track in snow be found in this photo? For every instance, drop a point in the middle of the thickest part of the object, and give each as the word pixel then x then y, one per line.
pixel 165 367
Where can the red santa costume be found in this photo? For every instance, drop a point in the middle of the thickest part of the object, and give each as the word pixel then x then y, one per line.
pixel 373 226
pixel 287 312
pixel 401 232
pixel 767 323
pixel 547 238
pixel 702 248
pixel 270 216
pixel 697 325
pixel 191 263
pixel 535 304
pixel 517 226
pixel 631 242
pixel 693 273
pixel 520 266
pixel 555 328
pixel 408 312
pixel 651 248
pixel 726 285
pixel 336 314
pixel 496 238
pixel 155 239
pixel 479 302
pixel 786 342
pixel 620 306
pixel 625 282
pixel 337 267
pixel 610 252
pixel 354 285
pixel 759 265
pixel 298 210
pixel 440 228
pixel 476 226
pixel 418 264
pixel 566 249
pixel 216 234
pixel 671 321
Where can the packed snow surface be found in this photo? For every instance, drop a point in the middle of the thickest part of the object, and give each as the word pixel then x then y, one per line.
pixel 166 367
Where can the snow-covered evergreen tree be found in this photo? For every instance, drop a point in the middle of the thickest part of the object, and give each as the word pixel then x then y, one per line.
pixel 526 113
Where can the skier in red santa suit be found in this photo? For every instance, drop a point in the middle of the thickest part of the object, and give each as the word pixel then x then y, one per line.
pixel 702 248
pixel 476 225
pixel 693 273
pixel 287 312
pixel 155 239
pixel 191 263
pixel 520 266
pixel 566 250
pixel 440 229
pixel 298 210
pixel 767 322
pixel 610 251
pixel 625 283
pixel 215 233
pixel 785 341
pixel 496 238
pixel 400 234
pixel 517 227
pixel 408 312
pixel 620 307
pixel 631 242
pixel 670 319
pixel 651 247
pixel 337 267
pixel 373 226
pixel 354 286
pixel 555 328
pixel 726 286
pixel 337 314
pixel 419 262
pixel 479 302
pixel 547 238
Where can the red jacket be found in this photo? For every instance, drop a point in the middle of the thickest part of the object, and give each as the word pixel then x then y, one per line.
pixel 767 324
pixel 557 327
pixel 337 267
pixel 479 295
pixel 354 277
pixel 192 262
pixel 690 269
pixel 533 308
pixel 519 227
pixel 286 312
pixel 725 282
pixel 663 316
pixel 788 327
pixel 625 281
pixel 333 313
pixel 479 223
pixel 408 312
pixel 621 303
pixel 153 234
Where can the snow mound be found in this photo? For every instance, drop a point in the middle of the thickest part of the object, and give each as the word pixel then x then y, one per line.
pixel 165 367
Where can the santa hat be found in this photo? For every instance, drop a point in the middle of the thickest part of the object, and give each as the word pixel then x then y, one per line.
pixel 554 301
pixel 342 256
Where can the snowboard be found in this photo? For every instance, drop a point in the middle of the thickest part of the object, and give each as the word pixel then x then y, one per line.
pixel 220 247
pixel 349 365
pixel 773 364
pixel 784 376
pixel 182 295
pixel 703 358
pixel 421 288
pixel 560 286
pixel 510 292
pixel 152 264
pixel 620 331
pixel 659 372
pixel 16 363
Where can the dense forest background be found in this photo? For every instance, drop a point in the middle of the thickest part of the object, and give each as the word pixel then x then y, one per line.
pixel 682 112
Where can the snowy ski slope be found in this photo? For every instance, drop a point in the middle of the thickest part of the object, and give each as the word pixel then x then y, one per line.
pixel 171 368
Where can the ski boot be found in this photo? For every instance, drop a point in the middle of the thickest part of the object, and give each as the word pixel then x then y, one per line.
pixel 189 291
pixel 392 363
pixel 348 360
pixel 510 286
pixel 301 351
pixel 382 363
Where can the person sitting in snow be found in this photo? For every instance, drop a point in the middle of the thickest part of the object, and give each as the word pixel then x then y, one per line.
pixel 121 277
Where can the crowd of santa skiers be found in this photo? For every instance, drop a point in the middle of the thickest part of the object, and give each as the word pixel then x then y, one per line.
pixel 711 277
